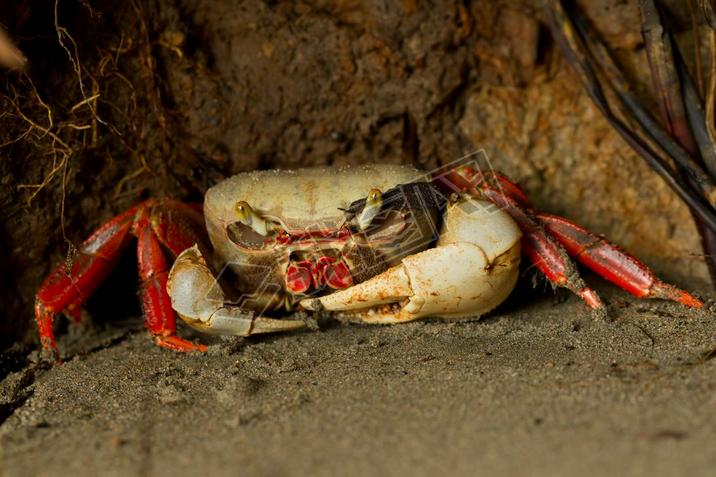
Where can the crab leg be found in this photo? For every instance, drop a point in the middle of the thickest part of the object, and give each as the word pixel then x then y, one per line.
pixel 74 311
pixel 549 257
pixel 70 288
pixel 613 264
pixel 177 225
pixel 153 270
pixel 164 222
pixel 198 299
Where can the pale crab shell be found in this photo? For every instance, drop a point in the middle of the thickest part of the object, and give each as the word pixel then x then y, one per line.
pixel 298 198
pixel 304 195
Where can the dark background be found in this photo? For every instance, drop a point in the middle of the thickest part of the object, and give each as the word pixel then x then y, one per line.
pixel 126 100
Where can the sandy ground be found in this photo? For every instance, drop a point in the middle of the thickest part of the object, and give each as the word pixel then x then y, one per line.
pixel 535 389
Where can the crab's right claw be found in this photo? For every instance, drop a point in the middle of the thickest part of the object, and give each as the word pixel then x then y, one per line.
pixel 199 300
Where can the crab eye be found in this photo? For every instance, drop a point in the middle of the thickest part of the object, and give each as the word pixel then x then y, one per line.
pixel 371 209
pixel 246 215
pixel 243 211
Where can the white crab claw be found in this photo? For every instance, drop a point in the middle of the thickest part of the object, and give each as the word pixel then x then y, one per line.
pixel 388 287
pixel 199 300
pixel 472 269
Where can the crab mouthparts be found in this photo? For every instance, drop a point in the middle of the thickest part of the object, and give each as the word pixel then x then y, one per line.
pixel 321 273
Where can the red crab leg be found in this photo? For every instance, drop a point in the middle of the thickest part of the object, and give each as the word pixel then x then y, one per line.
pixel 177 225
pixel 95 260
pixel 544 251
pixel 509 188
pixel 159 316
pixel 74 311
pixel 610 262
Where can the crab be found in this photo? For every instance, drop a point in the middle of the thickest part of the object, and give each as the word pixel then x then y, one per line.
pixel 377 243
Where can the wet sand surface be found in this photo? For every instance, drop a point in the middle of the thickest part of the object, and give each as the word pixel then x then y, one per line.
pixel 535 389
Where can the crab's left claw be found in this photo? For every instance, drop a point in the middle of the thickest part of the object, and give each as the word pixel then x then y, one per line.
pixel 198 299
pixel 472 269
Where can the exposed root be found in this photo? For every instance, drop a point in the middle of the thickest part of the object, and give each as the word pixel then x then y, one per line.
pixel 44 127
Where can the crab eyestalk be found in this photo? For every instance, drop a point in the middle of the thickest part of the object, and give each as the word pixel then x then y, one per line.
pixel 372 206
pixel 249 217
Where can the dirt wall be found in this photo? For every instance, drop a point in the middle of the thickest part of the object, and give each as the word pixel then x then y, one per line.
pixel 122 101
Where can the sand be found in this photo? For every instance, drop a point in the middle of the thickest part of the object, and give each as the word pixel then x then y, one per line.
pixel 538 388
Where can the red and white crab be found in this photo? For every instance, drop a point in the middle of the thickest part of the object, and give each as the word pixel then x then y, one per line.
pixel 378 243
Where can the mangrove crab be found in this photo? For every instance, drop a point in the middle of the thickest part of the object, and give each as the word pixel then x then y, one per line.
pixel 377 243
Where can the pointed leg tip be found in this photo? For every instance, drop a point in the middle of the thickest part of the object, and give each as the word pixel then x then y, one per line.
pixel 669 292
pixel 50 356
pixel 175 343
pixel 49 350
pixel 591 298
pixel 689 300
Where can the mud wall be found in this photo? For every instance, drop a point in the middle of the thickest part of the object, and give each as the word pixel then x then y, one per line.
pixel 126 100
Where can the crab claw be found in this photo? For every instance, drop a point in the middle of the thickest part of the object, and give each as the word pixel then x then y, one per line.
pixel 471 270
pixel 198 299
